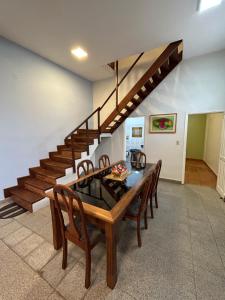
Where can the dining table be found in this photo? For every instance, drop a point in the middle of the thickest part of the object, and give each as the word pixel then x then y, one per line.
pixel 105 202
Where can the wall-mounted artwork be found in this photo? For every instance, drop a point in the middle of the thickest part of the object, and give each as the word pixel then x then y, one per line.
pixel 165 123
pixel 137 132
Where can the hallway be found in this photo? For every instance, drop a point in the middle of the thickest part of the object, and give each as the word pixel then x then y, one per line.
pixel 198 173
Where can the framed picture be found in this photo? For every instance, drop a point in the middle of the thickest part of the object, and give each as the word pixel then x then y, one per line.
pixel 137 132
pixel 165 123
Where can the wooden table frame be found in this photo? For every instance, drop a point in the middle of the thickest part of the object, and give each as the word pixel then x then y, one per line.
pixel 106 220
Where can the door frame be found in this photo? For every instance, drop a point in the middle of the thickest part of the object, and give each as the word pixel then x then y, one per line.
pixel 185 137
pixel 144 131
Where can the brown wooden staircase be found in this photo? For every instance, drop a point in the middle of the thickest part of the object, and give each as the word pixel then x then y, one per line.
pixel 31 189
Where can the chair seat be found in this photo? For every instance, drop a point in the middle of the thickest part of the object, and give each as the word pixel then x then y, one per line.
pixel 92 231
pixel 133 208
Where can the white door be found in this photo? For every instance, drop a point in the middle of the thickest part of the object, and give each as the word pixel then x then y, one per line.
pixel 221 172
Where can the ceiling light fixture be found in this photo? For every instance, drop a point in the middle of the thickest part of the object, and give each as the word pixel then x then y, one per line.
pixel 206 4
pixel 79 53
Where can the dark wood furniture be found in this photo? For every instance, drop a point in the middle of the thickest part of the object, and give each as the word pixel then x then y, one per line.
pixel 139 206
pixel 138 160
pixel 104 212
pixel 154 192
pixel 77 230
pixel 84 168
pixel 103 161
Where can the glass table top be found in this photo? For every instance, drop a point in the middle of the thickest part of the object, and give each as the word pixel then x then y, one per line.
pixel 105 193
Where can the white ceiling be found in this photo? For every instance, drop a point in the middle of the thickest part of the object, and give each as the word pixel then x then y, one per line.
pixel 109 29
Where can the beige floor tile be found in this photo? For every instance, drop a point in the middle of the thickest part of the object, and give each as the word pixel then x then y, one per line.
pixel 28 245
pixel 72 286
pixel 53 272
pixel 18 281
pixel 17 236
pixel 38 258
pixel 9 228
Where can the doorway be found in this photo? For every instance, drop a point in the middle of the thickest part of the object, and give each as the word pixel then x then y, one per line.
pixel 203 148
pixel 134 133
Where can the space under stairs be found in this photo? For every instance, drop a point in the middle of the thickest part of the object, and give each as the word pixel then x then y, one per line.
pixel 60 166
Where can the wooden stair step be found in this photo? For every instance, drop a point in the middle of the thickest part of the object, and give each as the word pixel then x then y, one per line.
pixel 55 165
pixel 46 175
pixel 40 184
pixel 26 195
pixel 37 186
pixel 130 108
pixel 62 157
pixel 136 101
pixel 78 138
pixel 149 86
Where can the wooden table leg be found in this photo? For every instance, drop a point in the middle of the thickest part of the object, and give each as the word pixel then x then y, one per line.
pixel 111 240
pixel 57 237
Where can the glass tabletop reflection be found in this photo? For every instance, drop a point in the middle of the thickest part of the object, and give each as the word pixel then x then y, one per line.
pixel 105 193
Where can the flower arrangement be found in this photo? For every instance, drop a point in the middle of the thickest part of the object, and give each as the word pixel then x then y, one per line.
pixel 119 170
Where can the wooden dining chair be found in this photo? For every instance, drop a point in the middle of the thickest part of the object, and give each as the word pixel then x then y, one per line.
pixel 78 231
pixel 84 168
pixel 154 193
pixel 138 160
pixel 138 207
pixel 103 161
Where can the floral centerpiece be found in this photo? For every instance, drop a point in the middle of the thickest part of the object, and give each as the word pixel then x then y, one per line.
pixel 119 170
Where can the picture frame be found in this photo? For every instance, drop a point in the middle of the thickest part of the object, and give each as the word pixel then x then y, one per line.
pixel 163 123
pixel 137 132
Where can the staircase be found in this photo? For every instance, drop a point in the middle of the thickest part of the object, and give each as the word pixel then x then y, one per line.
pixel 60 166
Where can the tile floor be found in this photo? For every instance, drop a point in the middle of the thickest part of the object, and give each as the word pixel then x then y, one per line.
pixel 182 257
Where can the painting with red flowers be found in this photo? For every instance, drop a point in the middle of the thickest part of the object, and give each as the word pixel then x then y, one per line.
pixel 165 123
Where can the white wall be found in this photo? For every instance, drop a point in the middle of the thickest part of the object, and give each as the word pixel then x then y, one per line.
pixel 134 142
pixel 214 123
pixel 195 86
pixel 40 103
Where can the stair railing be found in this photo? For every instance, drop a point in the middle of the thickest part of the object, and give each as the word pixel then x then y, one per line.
pixel 97 112
pixel 157 64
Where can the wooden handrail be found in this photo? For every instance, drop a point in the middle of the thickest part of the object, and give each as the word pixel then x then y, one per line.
pixel 78 127
pixel 122 79
pixel 149 73
pixel 170 49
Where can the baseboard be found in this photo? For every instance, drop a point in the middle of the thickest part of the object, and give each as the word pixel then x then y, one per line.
pixel 210 168
pixel 171 180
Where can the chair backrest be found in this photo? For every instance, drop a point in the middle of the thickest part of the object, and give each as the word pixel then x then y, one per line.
pixel 157 169
pixel 85 167
pixel 146 191
pixel 77 226
pixel 138 160
pixel 103 161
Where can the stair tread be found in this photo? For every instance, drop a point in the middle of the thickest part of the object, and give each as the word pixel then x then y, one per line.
pixel 46 172
pixel 42 185
pixel 26 195
pixel 57 163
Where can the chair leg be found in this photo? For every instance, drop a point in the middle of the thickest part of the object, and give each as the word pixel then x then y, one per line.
pixel 88 269
pixel 156 200
pixel 64 261
pixel 151 208
pixel 139 231
pixel 146 219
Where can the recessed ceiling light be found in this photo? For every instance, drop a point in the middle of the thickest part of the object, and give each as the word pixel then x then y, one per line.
pixel 206 4
pixel 79 53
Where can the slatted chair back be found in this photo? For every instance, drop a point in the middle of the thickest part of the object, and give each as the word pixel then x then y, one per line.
pixel 76 229
pixel 145 192
pixel 158 170
pixel 84 168
pixel 138 160
pixel 103 161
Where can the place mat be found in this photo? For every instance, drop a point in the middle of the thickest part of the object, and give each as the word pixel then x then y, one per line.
pixel 117 178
